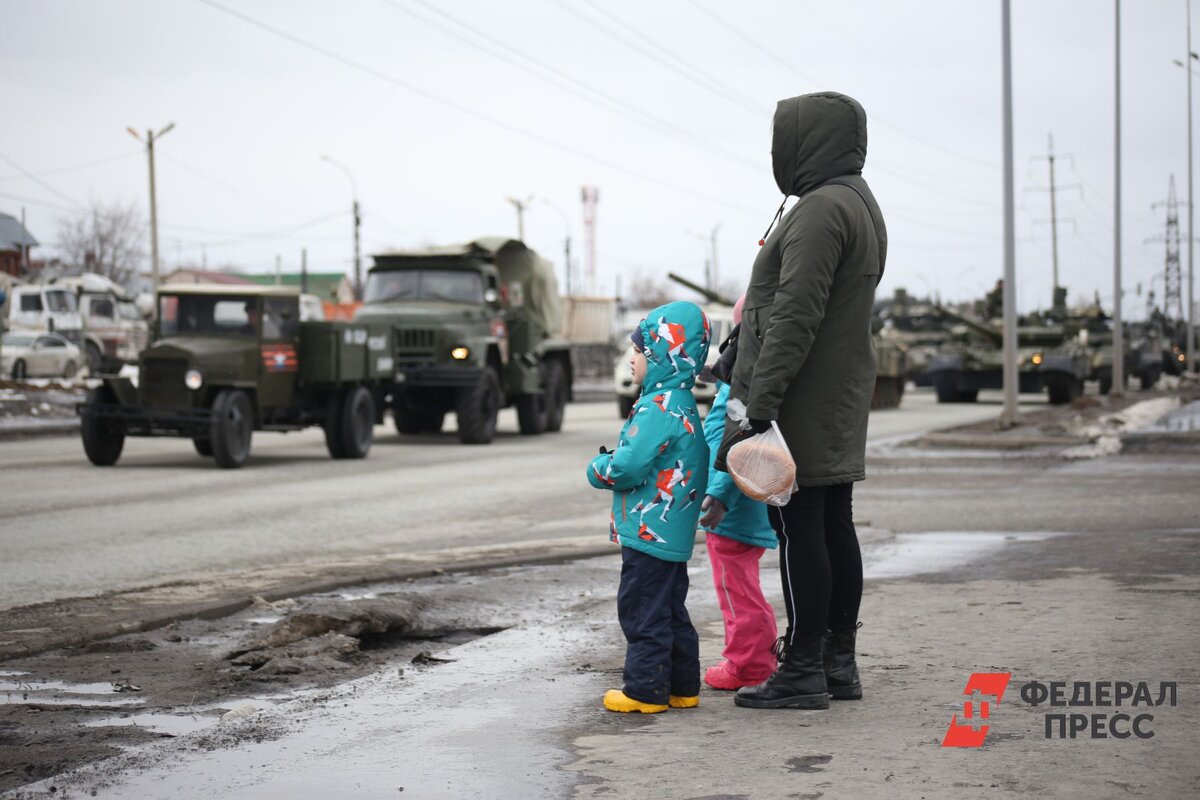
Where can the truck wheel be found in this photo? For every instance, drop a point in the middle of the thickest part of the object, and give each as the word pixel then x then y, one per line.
pixel 103 439
pixel 1062 388
pixel 966 396
pixel 203 446
pixel 1105 382
pixel 1149 379
pixel 69 370
pixel 476 408
pixel 333 426
pixel 18 372
pixel 355 423
pixel 556 396
pixel 231 427
pixel 946 385
pixel 531 414
pixel 625 406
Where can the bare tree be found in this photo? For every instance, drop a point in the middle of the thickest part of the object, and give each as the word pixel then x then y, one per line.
pixel 106 238
pixel 645 291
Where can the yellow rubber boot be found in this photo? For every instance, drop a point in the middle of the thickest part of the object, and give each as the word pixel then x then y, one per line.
pixel 616 700
pixel 684 702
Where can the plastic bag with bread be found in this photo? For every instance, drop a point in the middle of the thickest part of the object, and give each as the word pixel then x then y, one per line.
pixel 762 467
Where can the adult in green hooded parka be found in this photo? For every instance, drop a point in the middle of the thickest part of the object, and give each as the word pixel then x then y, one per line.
pixel 806 361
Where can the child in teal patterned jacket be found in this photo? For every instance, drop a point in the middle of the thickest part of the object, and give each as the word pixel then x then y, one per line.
pixel 658 474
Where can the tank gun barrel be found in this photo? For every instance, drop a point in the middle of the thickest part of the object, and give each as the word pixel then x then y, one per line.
pixel 982 328
pixel 707 294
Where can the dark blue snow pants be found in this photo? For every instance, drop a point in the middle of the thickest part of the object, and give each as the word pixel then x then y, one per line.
pixel 663 653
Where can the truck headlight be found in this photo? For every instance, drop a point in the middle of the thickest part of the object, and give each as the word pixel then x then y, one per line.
pixel 193 379
pixel 460 353
pixel 1037 359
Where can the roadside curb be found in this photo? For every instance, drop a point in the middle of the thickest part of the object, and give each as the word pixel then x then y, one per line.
pixel 1161 442
pixel 998 442
pixel 68 628
pixel 33 429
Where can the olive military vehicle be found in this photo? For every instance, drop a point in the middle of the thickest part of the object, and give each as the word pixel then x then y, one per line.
pixel 891 368
pixel 973 359
pixel 918 327
pixel 230 360
pixel 475 328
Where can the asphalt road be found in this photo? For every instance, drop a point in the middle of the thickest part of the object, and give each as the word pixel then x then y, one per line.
pixel 163 513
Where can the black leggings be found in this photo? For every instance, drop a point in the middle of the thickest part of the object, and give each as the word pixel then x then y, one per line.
pixel 819 561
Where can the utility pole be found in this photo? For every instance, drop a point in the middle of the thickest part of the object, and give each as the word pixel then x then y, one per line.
pixel 1054 189
pixel 520 206
pixel 1189 344
pixel 24 246
pixel 358 281
pixel 151 136
pixel 1009 416
pixel 304 270
pixel 1118 362
pixel 1172 277
pixel 591 197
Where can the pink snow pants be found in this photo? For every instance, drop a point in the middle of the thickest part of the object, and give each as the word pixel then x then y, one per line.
pixel 749 619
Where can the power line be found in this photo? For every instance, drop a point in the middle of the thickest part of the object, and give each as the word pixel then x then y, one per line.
pixel 226 186
pixel 552 75
pixel 467 110
pixel 37 180
pixel 757 45
pixel 72 168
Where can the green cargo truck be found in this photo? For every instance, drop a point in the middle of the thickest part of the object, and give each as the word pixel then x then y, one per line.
pixel 475 328
pixel 230 360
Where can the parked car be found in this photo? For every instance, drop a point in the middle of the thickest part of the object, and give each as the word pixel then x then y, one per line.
pixel 37 355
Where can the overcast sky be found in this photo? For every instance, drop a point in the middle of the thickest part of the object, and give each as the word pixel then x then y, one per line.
pixel 441 110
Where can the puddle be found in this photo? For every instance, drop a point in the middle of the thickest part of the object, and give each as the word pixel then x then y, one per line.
pixel 909 554
pixel 58 693
pixel 170 724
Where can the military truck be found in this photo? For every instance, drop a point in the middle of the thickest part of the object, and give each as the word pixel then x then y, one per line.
pixel 230 360
pixel 891 368
pixel 475 328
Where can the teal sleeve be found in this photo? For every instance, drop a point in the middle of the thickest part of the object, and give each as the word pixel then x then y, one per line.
pixel 632 463
pixel 720 484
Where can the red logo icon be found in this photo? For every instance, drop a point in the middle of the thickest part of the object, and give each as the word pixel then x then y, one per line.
pixel 974 729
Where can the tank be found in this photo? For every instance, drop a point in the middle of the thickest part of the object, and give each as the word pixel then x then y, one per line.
pixel 973 357
pixel 918 327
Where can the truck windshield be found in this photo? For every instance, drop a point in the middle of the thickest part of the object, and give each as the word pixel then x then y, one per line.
pixel 61 301
pixel 222 315
pixel 455 286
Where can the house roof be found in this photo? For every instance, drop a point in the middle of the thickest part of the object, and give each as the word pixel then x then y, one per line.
pixel 13 235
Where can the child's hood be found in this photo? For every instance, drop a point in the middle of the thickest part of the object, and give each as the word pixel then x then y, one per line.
pixel 676 337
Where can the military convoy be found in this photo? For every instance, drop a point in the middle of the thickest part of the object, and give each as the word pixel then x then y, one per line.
pixel 474 329
pixel 231 360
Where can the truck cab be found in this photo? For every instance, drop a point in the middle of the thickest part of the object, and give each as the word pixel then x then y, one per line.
pixel 475 328
pixel 39 307
pixel 114 330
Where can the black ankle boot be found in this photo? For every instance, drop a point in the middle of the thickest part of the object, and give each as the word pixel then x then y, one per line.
pixel 841 671
pixel 798 683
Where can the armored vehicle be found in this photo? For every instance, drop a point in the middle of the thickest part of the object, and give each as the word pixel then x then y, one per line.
pixel 891 371
pixel 918 327
pixel 973 359
pixel 230 360
pixel 475 328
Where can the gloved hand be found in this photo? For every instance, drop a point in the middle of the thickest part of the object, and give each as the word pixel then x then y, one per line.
pixel 714 511
pixel 603 450
pixel 759 425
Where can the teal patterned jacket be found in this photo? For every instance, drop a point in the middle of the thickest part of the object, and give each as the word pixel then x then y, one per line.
pixel 658 472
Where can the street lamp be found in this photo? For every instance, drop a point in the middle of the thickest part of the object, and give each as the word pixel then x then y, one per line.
pixel 520 206
pixel 151 136
pixel 358 282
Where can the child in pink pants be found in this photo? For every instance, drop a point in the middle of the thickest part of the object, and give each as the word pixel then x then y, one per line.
pixel 738 533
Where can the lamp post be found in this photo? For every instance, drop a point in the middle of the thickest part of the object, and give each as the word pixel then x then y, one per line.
pixel 358 282
pixel 1009 416
pixel 151 136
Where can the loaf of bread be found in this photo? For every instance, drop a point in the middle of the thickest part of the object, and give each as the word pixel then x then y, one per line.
pixel 763 468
